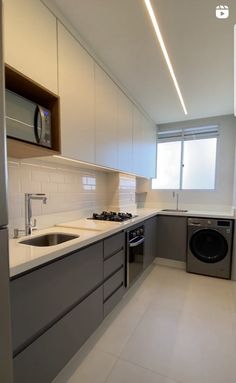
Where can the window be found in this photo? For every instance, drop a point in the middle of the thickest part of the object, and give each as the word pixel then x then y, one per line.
pixel 186 158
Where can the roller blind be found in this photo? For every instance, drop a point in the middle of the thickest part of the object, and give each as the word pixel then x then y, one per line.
pixel 191 133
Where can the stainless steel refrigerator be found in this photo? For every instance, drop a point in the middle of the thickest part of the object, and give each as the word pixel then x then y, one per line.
pixel 5 325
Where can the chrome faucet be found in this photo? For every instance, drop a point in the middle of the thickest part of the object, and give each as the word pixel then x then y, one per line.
pixel 175 194
pixel 29 226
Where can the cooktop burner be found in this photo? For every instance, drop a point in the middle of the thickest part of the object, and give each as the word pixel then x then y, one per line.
pixel 112 216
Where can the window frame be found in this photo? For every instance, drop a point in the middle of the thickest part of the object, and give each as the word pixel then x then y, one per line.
pixel 183 139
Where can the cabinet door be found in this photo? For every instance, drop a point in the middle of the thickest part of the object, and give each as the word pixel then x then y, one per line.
pixel 41 296
pixel 172 237
pixel 114 244
pixel 149 141
pixel 150 249
pixel 77 93
pixel 138 144
pixel 125 133
pixel 31 41
pixel 106 119
pixel 144 145
pixel 42 360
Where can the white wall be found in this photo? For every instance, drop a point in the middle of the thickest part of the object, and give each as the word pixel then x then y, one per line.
pixel 222 197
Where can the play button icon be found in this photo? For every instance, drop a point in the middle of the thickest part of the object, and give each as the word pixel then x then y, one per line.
pixel 222 11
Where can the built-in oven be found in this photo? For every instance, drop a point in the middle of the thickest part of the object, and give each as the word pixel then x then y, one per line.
pixel 135 254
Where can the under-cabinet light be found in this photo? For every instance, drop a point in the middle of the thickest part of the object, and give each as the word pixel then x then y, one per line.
pixel 99 167
pixel 165 53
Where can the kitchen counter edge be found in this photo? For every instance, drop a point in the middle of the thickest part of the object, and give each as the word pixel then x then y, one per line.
pixel 46 255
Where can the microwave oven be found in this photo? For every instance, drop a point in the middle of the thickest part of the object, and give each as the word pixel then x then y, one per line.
pixel 27 121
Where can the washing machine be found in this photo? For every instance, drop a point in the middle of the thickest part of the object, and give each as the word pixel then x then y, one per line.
pixel 209 247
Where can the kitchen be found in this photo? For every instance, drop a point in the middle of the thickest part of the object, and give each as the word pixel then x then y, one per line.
pixel 104 79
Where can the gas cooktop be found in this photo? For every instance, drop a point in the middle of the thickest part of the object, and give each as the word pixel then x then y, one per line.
pixel 112 216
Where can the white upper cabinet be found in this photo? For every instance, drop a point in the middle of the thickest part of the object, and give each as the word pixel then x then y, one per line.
pixel 31 41
pixel 106 117
pixel 77 94
pixel 144 145
pixel 125 133
pixel 138 143
pixel 150 135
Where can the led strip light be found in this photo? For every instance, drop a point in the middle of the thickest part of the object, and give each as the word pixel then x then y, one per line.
pixel 165 53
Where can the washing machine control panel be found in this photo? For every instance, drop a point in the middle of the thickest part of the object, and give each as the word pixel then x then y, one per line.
pixel 223 223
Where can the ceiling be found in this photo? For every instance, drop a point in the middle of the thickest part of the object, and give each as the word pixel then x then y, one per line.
pixel 200 47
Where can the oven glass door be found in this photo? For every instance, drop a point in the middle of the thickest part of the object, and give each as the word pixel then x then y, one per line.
pixel 135 258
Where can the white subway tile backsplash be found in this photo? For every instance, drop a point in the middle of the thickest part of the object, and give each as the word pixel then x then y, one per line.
pixel 67 189
pixel 28 186
pixel 49 187
pixel 71 192
pixel 72 178
pixel 121 193
pixel 14 179
pixel 37 207
pixel 40 175
pixel 57 177
pixel 15 205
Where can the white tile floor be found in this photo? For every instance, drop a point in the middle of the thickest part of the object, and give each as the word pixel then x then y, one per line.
pixel 171 327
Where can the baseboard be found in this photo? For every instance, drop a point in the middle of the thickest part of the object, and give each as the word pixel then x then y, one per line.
pixel 170 263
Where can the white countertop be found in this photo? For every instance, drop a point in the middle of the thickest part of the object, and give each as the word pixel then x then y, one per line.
pixel 24 257
pixel 200 213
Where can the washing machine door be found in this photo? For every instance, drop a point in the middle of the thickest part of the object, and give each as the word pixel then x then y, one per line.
pixel 208 245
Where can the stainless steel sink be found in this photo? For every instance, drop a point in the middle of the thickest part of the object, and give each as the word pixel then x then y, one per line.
pixel 51 239
pixel 175 210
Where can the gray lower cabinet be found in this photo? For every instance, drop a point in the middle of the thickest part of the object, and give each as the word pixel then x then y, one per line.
pixel 114 271
pixel 115 298
pixel 113 263
pixel 172 237
pixel 113 283
pixel 114 244
pixel 56 307
pixel 41 361
pixel 39 298
pixel 150 244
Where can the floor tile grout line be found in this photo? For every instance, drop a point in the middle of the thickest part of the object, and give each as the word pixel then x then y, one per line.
pixel 109 374
pixel 149 369
pixel 132 331
pixel 129 337
pixel 148 296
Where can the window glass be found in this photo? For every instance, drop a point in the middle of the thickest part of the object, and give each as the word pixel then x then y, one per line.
pixel 199 159
pixel 168 166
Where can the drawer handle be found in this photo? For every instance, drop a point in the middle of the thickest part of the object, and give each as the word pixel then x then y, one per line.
pixel 114 253
pixel 114 291
pixel 113 272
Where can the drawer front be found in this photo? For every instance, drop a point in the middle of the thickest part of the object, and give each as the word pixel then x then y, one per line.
pixel 113 300
pixel 43 359
pixel 114 244
pixel 38 298
pixel 113 283
pixel 113 263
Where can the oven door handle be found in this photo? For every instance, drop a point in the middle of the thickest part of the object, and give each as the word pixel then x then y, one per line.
pixel 133 243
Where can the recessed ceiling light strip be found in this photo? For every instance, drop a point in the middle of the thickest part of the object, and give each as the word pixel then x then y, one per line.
pixel 162 44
